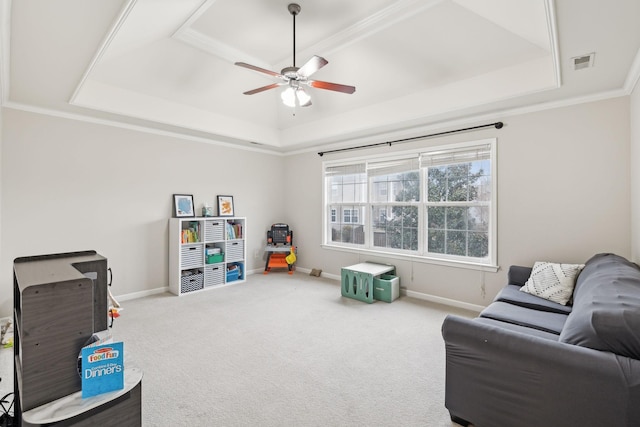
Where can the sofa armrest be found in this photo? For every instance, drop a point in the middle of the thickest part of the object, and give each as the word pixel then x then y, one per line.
pixel 497 377
pixel 518 275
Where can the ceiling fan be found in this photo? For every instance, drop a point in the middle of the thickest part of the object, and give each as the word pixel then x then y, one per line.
pixel 295 78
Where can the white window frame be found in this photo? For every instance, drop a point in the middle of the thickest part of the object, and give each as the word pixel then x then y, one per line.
pixel 421 255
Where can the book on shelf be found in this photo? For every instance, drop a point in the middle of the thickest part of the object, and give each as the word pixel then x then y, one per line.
pixel 191 234
pixel 234 230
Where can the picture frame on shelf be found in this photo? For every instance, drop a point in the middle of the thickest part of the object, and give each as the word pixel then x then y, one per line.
pixel 183 206
pixel 225 206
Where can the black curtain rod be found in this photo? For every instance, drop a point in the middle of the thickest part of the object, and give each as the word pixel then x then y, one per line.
pixel 497 125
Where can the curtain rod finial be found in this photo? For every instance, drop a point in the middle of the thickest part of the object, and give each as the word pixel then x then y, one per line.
pixel 499 125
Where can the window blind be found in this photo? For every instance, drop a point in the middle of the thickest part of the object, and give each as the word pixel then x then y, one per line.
pixel 351 169
pixel 393 166
pixel 462 155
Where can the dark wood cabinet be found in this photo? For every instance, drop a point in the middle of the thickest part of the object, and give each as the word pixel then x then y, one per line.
pixel 60 300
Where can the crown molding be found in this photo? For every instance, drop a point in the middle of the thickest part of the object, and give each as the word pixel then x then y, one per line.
pixel 258 148
pixel 633 75
pixel 373 137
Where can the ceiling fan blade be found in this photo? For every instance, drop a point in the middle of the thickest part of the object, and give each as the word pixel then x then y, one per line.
pixel 258 69
pixel 263 88
pixel 331 86
pixel 312 65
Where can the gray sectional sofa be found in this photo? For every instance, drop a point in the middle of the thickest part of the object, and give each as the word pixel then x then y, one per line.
pixel 527 361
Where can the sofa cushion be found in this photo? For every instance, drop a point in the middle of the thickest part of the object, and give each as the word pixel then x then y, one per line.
pixel 518 275
pixel 513 295
pixel 606 307
pixel 553 281
pixel 517 328
pixel 536 319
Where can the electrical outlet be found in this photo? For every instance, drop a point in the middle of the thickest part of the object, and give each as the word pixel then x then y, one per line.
pixel 256 253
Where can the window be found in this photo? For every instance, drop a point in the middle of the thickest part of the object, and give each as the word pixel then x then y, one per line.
pixel 438 204
pixel 458 186
pixel 395 196
pixel 345 190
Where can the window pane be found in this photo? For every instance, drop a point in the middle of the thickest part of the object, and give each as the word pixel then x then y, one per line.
pixel 478 218
pixel 435 217
pixel 457 230
pixel 478 245
pixel 436 241
pixel 347 233
pixel 347 188
pixel 459 182
pixel 396 187
pixel 395 227
pixel 456 218
pixel 456 243
pixel 351 227
pixel 379 190
pixel 437 184
pixel 482 188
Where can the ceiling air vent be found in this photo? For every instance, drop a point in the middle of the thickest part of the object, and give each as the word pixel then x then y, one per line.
pixel 584 61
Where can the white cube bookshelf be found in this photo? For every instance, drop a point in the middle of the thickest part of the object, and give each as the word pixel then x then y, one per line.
pixel 206 253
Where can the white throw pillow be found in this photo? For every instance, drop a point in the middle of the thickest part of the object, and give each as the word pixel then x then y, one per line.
pixel 552 281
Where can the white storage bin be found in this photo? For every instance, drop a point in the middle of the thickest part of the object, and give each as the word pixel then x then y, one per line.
pixel 213 230
pixel 235 250
pixel 213 275
pixel 191 256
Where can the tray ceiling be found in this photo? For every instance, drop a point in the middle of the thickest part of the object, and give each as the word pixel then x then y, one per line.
pixel 415 63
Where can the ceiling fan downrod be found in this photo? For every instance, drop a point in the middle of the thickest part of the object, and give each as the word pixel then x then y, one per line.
pixel 294 9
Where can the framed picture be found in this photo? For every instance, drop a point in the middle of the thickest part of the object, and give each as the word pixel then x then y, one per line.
pixel 225 206
pixel 183 205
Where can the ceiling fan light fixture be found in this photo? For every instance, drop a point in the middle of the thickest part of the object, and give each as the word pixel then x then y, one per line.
pixel 293 96
pixel 303 97
pixel 289 97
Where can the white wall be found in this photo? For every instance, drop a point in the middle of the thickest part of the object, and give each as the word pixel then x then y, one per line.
pixel 563 195
pixel 635 173
pixel 70 185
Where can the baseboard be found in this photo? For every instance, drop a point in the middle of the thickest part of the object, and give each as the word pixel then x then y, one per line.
pixel 141 294
pixel 331 276
pixel 441 300
pixel 299 269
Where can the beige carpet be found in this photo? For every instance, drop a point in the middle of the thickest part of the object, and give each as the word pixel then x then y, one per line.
pixel 286 350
